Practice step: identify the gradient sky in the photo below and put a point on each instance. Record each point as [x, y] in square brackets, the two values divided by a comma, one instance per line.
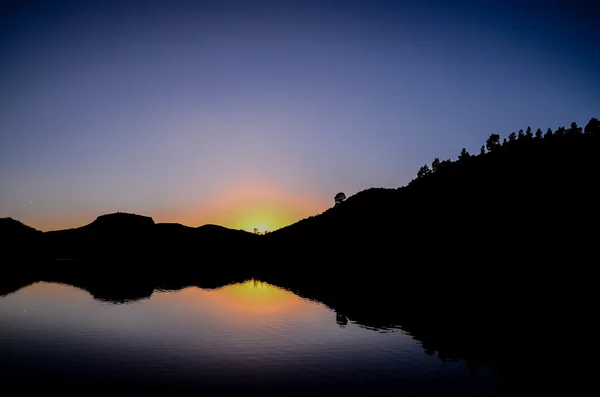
[255, 114]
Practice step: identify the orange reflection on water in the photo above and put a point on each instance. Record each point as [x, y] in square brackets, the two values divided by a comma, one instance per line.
[251, 297]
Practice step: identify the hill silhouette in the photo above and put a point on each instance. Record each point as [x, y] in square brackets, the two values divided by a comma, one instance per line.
[538, 182]
[12, 228]
[20, 241]
[122, 222]
[528, 200]
[118, 236]
[531, 197]
[527, 180]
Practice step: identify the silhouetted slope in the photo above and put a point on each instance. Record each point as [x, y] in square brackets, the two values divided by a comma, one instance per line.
[528, 197]
[13, 229]
[19, 241]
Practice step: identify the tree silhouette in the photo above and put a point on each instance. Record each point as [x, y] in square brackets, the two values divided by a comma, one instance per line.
[435, 164]
[339, 198]
[539, 133]
[574, 129]
[593, 127]
[493, 142]
[423, 171]
[444, 163]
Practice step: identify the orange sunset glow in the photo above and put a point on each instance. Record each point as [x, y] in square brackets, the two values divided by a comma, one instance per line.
[248, 206]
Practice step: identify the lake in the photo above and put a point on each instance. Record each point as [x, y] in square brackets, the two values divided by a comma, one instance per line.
[249, 337]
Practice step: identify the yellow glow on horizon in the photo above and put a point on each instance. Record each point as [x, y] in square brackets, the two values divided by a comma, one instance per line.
[263, 219]
[257, 206]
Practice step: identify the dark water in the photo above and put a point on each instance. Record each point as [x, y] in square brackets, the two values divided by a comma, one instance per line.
[251, 336]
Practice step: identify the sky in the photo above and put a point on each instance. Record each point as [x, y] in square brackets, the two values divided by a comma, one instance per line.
[255, 114]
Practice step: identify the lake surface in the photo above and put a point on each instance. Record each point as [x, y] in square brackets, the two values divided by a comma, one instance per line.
[250, 336]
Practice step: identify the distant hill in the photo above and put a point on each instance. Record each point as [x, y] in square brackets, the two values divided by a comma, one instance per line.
[13, 229]
[121, 221]
[19, 241]
[120, 236]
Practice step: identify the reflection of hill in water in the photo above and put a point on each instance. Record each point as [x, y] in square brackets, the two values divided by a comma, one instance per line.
[124, 291]
[129, 291]
[113, 291]
[370, 315]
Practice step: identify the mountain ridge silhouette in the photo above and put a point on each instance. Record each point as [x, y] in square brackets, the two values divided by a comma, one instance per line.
[538, 183]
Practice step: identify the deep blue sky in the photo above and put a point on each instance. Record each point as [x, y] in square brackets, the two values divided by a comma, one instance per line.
[257, 113]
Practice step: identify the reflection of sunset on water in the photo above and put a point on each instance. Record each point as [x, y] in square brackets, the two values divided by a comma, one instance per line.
[252, 297]
[250, 334]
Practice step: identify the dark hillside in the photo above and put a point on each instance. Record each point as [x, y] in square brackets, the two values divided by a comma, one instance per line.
[13, 230]
[521, 200]
[19, 241]
[141, 242]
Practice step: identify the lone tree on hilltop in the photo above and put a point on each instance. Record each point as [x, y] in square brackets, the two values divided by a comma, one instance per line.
[339, 198]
